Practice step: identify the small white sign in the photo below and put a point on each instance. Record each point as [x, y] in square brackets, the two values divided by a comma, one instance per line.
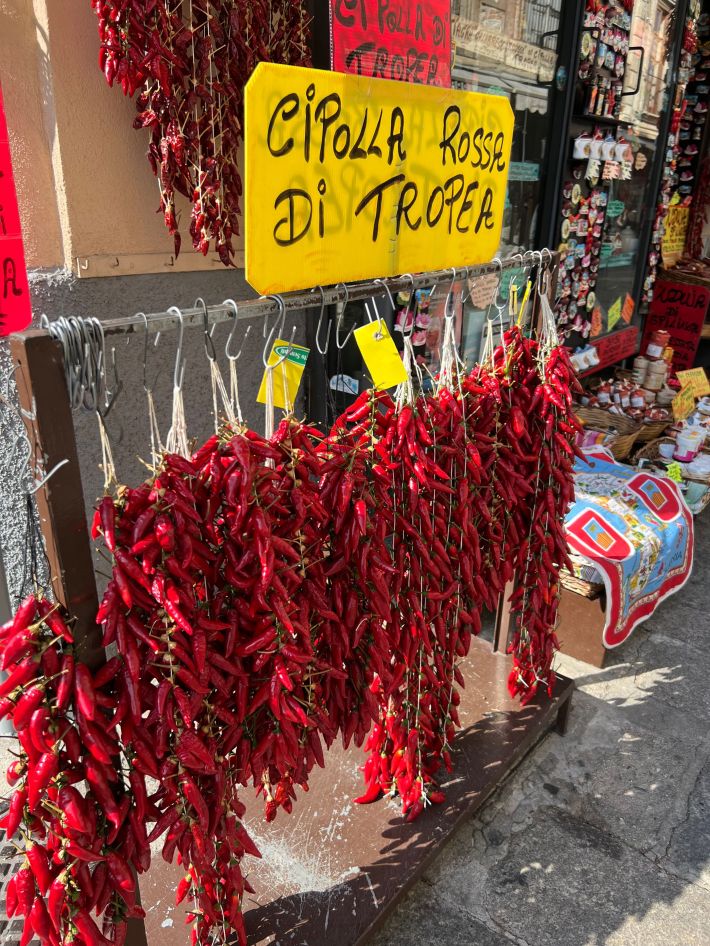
[344, 383]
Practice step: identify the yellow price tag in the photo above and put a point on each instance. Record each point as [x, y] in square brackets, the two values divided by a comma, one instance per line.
[286, 376]
[380, 355]
[524, 304]
[683, 404]
[674, 472]
[697, 379]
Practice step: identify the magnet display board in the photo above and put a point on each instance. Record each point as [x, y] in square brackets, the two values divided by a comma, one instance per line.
[350, 178]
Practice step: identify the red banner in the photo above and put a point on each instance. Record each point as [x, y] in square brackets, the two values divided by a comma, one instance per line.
[392, 39]
[15, 309]
[679, 308]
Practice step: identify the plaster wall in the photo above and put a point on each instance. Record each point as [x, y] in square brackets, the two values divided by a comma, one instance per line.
[85, 189]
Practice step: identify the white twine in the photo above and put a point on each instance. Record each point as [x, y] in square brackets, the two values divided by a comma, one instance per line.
[107, 465]
[156, 444]
[269, 415]
[234, 391]
[220, 393]
[176, 441]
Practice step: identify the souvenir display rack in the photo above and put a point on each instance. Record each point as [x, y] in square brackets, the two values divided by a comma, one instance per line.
[599, 154]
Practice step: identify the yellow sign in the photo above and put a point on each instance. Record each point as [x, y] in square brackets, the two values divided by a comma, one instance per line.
[614, 314]
[380, 355]
[697, 379]
[290, 361]
[676, 229]
[683, 404]
[349, 177]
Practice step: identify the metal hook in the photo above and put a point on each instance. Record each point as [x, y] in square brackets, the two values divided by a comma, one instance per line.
[499, 263]
[146, 388]
[381, 282]
[405, 333]
[117, 388]
[209, 344]
[340, 346]
[45, 479]
[322, 351]
[466, 291]
[545, 271]
[449, 294]
[230, 303]
[179, 371]
[277, 327]
[20, 439]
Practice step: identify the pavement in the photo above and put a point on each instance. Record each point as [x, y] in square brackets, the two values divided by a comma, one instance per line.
[601, 837]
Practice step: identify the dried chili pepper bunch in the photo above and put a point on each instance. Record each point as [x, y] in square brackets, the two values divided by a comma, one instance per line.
[232, 616]
[551, 433]
[71, 810]
[189, 64]
[463, 499]
[421, 458]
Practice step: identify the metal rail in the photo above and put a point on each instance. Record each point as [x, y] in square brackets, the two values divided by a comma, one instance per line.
[264, 306]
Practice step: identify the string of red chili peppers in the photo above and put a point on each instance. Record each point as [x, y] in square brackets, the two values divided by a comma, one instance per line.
[270, 595]
[188, 64]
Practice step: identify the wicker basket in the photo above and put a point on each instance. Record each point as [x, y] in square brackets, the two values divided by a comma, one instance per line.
[651, 452]
[627, 430]
[588, 589]
[653, 430]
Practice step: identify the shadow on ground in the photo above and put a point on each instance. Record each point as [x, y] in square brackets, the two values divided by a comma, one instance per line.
[603, 836]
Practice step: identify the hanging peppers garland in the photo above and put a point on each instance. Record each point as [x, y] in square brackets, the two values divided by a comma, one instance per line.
[267, 597]
[186, 65]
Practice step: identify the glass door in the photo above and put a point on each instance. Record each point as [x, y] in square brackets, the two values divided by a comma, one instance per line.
[510, 48]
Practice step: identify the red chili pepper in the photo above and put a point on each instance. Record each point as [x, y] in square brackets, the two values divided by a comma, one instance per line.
[39, 865]
[39, 776]
[84, 691]
[107, 515]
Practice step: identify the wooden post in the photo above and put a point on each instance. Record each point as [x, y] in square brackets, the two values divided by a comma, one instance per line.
[43, 396]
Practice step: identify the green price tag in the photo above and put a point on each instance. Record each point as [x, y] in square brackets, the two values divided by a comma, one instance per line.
[674, 472]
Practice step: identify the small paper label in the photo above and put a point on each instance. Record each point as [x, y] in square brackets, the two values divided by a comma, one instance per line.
[380, 355]
[287, 375]
[344, 383]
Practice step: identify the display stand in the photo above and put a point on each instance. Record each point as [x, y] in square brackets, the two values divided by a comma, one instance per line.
[332, 870]
[580, 623]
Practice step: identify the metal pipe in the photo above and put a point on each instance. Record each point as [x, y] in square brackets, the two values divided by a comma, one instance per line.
[296, 301]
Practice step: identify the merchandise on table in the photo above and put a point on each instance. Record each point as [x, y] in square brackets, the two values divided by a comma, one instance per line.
[635, 532]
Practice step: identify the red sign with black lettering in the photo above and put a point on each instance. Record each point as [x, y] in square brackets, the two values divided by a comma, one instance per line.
[680, 309]
[614, 347]
[15, 309]
[392, 39]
